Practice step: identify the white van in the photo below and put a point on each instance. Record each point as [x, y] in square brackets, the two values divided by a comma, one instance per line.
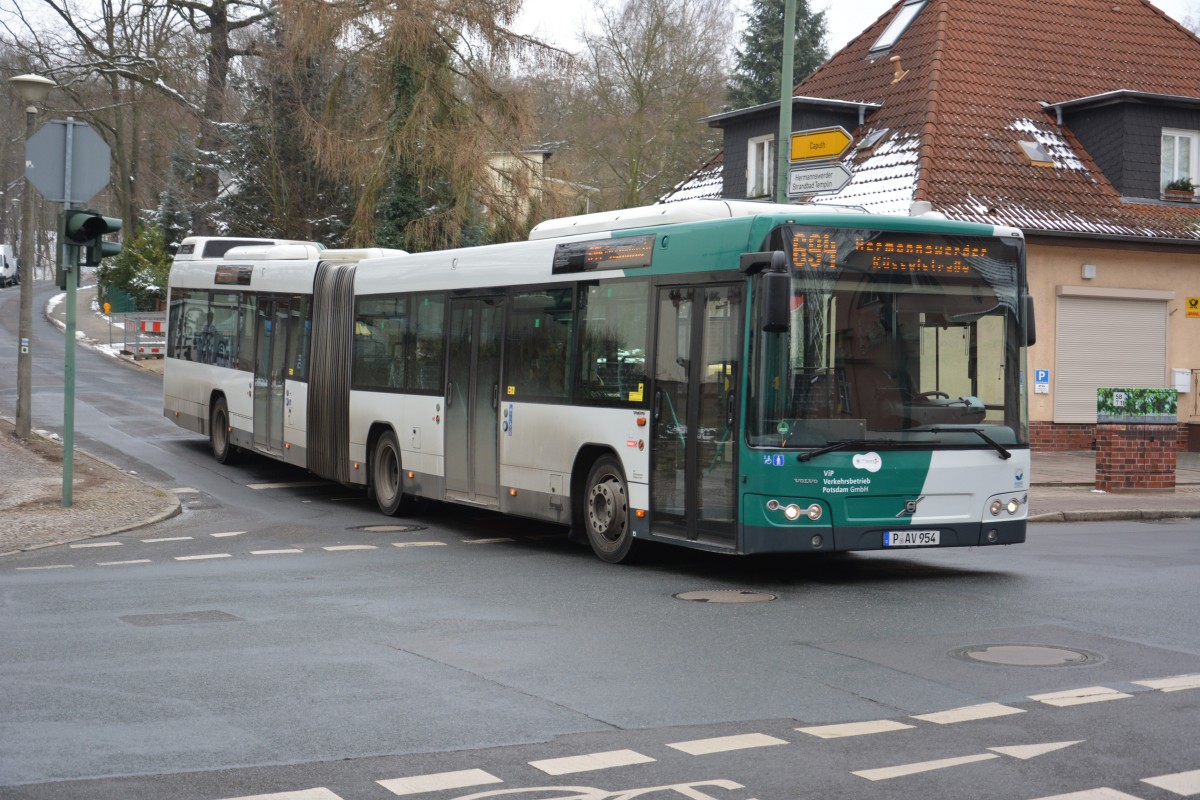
[8, 268]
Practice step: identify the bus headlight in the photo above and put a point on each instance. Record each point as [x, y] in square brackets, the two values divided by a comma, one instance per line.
[1014, 505]
[996, 506]
[792, 512]
[815, 511]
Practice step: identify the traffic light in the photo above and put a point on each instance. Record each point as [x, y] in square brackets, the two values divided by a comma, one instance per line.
[79, 229]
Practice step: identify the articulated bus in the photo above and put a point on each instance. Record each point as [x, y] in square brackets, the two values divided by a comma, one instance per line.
[733, 376]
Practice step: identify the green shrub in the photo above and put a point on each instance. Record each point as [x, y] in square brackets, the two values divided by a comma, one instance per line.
[140, 270]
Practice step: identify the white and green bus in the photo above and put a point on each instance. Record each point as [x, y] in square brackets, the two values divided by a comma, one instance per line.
[732, 376]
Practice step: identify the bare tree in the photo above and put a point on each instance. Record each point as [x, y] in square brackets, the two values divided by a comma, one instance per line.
[644, 80]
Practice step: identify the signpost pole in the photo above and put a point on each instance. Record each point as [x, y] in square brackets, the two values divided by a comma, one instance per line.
[786, 87]
[69, 369]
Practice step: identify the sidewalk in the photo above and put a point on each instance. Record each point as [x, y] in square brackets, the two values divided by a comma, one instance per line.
[108, 501]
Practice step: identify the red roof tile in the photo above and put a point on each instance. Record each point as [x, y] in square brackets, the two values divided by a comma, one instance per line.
[974, 77]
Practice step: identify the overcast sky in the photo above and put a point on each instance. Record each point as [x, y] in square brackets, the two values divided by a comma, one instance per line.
[559, 21]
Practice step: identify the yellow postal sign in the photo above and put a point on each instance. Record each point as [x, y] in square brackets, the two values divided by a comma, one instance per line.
[820, 143]
[1193, 307]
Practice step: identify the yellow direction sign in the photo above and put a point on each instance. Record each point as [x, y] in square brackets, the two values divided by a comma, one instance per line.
[820, 143]
[1193, 307]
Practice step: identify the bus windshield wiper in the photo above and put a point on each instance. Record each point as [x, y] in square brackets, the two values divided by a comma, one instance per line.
[998, 447]
[848, 443]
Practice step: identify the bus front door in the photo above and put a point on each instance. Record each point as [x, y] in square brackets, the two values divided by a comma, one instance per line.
[270, 356]
[697, 374]
[473, 400]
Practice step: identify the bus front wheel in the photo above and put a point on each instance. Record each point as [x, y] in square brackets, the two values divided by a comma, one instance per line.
[218, 433]
[385, 474]
[606, 512]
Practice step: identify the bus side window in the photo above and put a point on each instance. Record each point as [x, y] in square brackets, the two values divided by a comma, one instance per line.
[612, 337]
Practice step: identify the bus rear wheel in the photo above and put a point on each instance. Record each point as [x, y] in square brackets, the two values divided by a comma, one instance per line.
[385, 474]
[218, 433]
[606, 512]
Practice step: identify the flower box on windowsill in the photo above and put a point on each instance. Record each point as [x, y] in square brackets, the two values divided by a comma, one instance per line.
[1179, 195]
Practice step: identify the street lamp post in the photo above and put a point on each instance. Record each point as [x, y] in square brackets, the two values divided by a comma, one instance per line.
[33, 90]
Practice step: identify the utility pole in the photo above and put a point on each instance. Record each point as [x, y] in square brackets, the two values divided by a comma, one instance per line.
[33, 90]
[783, 151]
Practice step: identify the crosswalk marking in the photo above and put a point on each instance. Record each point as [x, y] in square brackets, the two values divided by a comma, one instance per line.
[167, 539]
[339, 547]
[320, 793]
[855, 728]
[226, 533]
[49, 566]
[418, 544]
[203, 557]
[968, 713]
[94, 544]
[1184, 784]
[590, 762]
[1174, 684]
[275, 552]
[119, 563]
[1103, 793]
[1028, 751]
[724, 744]
[487, 541]
[900, 771]
[1078, 697]
[439, 781]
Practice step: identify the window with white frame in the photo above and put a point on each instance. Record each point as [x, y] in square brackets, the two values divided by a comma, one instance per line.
[1180, 154]
[760, 158]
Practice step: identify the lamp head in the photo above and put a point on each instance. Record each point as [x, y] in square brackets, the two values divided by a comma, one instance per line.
[32, 88]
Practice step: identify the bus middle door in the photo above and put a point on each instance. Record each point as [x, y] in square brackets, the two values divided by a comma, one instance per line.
[698, 350]
[270, 360]
[473, 400]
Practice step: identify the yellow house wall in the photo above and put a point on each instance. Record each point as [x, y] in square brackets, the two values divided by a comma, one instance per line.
[1051, 266]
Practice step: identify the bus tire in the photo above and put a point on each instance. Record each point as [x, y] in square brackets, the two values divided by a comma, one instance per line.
[605, 512]
[218, 433]
[385, 474]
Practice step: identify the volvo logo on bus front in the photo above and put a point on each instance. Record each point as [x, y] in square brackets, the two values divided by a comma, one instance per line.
[910, 507]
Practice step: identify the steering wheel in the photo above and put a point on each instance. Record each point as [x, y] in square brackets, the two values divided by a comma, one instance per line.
[929, 395]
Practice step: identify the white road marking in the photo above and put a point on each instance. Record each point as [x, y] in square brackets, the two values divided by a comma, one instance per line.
[418, 544]
[487, 541]
[275, 552]
[227, 533]
[202, 558]
[855, 728]
[304, 794]
[94, 544]
[1078, 697]
[338, 547]
[886, 773]
[1028, 751]
[290, 485]
[118, 563]
[49, 566]
[1184, 784]
[184, 490]
[1103, 793]
[438, 781]
[167, 539]
[1174, 684]
[724, 744]
[590, 762]
[968, 713]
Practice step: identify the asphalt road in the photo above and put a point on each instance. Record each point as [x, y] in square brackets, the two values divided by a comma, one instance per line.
[273, 641]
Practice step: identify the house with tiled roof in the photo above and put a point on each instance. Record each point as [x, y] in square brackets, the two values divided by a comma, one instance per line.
[1067, 119]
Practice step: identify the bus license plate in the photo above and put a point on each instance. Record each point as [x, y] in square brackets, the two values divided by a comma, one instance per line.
[911, 538]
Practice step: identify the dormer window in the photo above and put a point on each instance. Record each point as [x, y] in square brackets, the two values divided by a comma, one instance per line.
[1180, 154]
[904, 17]
[760, 158]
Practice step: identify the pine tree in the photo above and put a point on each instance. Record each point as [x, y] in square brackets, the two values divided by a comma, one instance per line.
[755, 78]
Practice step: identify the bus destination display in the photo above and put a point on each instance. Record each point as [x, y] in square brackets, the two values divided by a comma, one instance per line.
[628, 252]
[880, 253]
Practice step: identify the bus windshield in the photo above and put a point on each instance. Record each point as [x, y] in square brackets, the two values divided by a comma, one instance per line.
[892, 337]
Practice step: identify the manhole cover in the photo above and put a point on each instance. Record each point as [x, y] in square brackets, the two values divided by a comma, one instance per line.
[1027, 655]
[389, 528]
[725, 596]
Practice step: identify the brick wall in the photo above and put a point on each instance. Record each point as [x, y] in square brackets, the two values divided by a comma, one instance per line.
[1136, 457]
[1046, 437]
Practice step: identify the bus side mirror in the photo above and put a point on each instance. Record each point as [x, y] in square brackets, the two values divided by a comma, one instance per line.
[1030, 322]
[775, 301]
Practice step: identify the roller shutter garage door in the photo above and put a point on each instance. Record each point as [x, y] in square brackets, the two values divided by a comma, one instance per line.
[1106, 341]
